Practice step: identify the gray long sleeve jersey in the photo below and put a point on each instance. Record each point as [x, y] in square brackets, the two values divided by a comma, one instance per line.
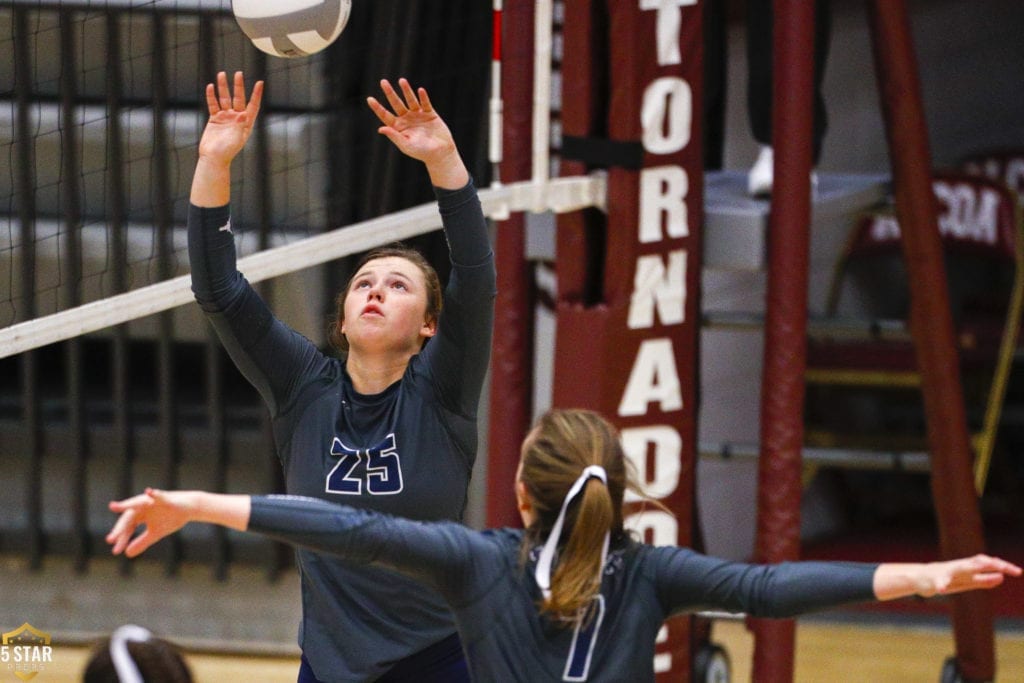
[494, 598]
[407, 451]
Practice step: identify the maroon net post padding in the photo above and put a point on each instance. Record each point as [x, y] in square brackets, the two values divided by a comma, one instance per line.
[782, 393]
[628, 283]
[511, 390]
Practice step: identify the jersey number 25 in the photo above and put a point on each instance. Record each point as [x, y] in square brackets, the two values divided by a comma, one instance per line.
[379, 467]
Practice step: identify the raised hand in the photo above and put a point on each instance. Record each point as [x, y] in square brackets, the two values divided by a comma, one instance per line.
[161, 512]
[419, 132]
[231, 118]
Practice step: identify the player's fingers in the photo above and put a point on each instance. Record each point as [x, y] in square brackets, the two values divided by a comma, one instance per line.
[211, 99]
[392, 134]
[410, 97]
[255, 100]
[985, 563]
[979, 580]
[140, 543]
[239, 92]
[119, 542]
[136, 501]
[238, 96]
[393, 99]
[123, 520]
[385, 116]
[1000, 564]
[425, 100]
[989, 579]
[223, 96]
[115, 532]
[122, 531]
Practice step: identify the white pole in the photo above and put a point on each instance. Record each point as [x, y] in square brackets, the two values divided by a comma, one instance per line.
[541, 99]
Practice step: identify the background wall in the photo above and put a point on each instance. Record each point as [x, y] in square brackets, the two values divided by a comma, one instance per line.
[969, 57]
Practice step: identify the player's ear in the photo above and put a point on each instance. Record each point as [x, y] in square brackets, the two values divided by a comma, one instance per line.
[429, 328]
[524, 504]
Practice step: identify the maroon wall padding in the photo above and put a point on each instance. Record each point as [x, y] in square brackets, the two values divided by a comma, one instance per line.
[511, 393]
[584, 114]
[596, 350]
[956, 505]
[785, 357]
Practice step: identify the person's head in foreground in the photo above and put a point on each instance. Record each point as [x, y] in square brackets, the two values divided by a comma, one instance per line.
[134, 655]
[567, 450]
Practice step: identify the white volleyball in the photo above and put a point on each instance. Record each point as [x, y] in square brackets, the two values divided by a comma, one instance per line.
[291, 28]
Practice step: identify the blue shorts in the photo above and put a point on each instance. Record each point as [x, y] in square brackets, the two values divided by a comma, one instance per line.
[442, 662]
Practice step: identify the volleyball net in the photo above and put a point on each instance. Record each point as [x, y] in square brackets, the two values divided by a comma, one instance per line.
[558, 195]
[104, 109]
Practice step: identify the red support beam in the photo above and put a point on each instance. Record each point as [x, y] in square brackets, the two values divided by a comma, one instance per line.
[782, 393]
[956, 505]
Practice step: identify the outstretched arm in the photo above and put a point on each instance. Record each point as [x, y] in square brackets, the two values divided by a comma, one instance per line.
[458, 356]
[274, 358]
[447, 556]
[231, 121]
[689, 580]
[897, 580]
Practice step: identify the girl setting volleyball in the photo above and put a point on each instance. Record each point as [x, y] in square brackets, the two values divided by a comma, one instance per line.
[391, 424]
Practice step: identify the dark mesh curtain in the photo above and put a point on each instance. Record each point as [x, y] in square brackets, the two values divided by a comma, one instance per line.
[442, 46]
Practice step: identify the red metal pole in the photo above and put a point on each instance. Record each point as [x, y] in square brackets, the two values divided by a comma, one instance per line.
[511, 390]
[782, 394]
[956, 505]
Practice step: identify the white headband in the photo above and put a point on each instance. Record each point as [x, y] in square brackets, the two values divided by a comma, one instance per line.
[547, 554]
[124, 665]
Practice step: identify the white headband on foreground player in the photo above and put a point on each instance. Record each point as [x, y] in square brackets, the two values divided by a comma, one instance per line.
[547, 554]
[124, 665]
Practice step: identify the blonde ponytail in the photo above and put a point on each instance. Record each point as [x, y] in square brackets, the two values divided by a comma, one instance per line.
[574, 471]
[577, 579]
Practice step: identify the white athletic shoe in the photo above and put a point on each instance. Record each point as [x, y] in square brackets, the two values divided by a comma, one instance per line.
[759, 180]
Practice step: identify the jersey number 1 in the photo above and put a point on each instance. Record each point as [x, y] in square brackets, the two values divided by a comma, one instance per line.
[577, 666]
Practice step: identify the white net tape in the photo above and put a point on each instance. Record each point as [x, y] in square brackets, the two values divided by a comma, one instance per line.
[560, 195]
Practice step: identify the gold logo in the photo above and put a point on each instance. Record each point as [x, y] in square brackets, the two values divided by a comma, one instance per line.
[25, 651]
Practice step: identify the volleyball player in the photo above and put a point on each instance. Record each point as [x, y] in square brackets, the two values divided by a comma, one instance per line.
[389, 427]
[573, 597]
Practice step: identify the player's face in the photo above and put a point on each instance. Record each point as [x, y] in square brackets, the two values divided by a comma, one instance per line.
[385, 307]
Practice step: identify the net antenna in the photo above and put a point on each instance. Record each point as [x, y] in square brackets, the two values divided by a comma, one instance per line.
[494, 149]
